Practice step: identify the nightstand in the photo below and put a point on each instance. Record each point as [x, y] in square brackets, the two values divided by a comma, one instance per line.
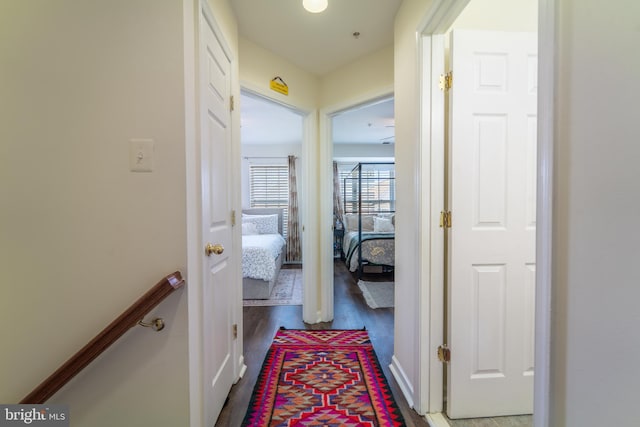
[338, 234]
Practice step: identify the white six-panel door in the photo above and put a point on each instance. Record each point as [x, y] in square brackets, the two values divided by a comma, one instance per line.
[492, 193]
[215, 145]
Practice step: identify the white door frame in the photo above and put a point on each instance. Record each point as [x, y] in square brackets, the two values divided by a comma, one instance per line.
[439, 19]
[308, 205]
[325, 212]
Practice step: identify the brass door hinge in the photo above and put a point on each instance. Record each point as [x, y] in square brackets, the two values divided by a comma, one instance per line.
[445, 219]
[231, 103]
[444, 354]
[233, 218]
[446, 81]
[234, 330]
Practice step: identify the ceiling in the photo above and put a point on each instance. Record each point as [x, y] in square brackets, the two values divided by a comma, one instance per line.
[318, 43]
[369, 124]
[266, 122]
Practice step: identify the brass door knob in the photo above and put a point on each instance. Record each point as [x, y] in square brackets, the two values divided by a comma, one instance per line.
[213, 249]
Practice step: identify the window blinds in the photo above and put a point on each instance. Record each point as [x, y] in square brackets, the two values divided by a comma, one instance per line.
[269, 188]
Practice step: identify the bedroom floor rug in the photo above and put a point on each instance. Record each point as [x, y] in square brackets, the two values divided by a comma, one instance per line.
[287, 290]
[377, 294]
[322, 378]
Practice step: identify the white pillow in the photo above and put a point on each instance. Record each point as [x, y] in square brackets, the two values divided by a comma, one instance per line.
[367, 222]
[266, 224]
[382, 225]
[249, 228]
[351, 222]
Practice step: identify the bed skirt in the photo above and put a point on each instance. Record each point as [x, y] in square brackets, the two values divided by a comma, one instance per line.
[261, 289]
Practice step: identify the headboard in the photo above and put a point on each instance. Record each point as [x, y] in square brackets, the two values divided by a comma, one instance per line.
[267, 211]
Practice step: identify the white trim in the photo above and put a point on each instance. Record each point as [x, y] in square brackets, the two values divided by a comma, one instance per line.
[256, 91]
[437, 420]
[326, 216]
[431, 192]
[236, 153]
[431, 185]
[310, 211]
[437, 205]
[423, 390]
[370, 98]
[403, 380]
[438, 19]
[191, 10]
[325, 211]
[243, 369]
[441, 16]
[544, 227]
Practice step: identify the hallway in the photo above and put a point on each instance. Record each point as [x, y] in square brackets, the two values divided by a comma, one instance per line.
[351, 312]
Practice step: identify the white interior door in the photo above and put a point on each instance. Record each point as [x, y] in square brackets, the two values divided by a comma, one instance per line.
[215, 119]
[492, 194]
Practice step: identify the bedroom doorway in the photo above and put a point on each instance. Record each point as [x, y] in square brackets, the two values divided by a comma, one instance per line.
[363, 169]
[271, 169]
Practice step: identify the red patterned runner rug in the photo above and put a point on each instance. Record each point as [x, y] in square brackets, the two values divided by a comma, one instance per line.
[322, 378]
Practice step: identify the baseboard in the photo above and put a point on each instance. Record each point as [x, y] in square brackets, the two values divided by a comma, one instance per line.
[243, 368]
[402, 380]
[437, 420]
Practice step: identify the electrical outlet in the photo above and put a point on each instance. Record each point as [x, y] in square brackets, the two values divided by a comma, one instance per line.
[141, 155]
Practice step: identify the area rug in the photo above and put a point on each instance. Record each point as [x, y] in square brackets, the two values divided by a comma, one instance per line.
[377, 294]
[286, 291]
[322, 378]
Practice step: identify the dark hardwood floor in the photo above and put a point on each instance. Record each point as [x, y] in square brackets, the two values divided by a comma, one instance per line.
[350, 312]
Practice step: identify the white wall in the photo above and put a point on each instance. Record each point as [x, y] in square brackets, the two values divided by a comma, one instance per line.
[499, 15]
[258, 66]
[82, 236]
[306, 90]
[363, 151]
[595, 344]
[407, 222]
[367, 75]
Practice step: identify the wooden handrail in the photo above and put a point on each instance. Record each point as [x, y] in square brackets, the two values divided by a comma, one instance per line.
[104, 339]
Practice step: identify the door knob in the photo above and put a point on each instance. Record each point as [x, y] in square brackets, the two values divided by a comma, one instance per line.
[213, 249]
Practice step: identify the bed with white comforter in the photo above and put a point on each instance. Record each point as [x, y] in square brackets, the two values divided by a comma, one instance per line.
[262, 251]
[259, 252]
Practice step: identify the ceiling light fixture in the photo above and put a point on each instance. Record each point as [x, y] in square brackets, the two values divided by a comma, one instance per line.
[315, 6]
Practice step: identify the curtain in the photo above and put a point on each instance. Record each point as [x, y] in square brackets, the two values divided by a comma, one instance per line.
[338, 209]
[293, 227]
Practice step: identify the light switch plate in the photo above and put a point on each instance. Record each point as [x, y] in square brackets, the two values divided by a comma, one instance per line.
[141, 155]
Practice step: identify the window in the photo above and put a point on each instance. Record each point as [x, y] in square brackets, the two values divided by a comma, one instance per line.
[378, 187]
[269, 188]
